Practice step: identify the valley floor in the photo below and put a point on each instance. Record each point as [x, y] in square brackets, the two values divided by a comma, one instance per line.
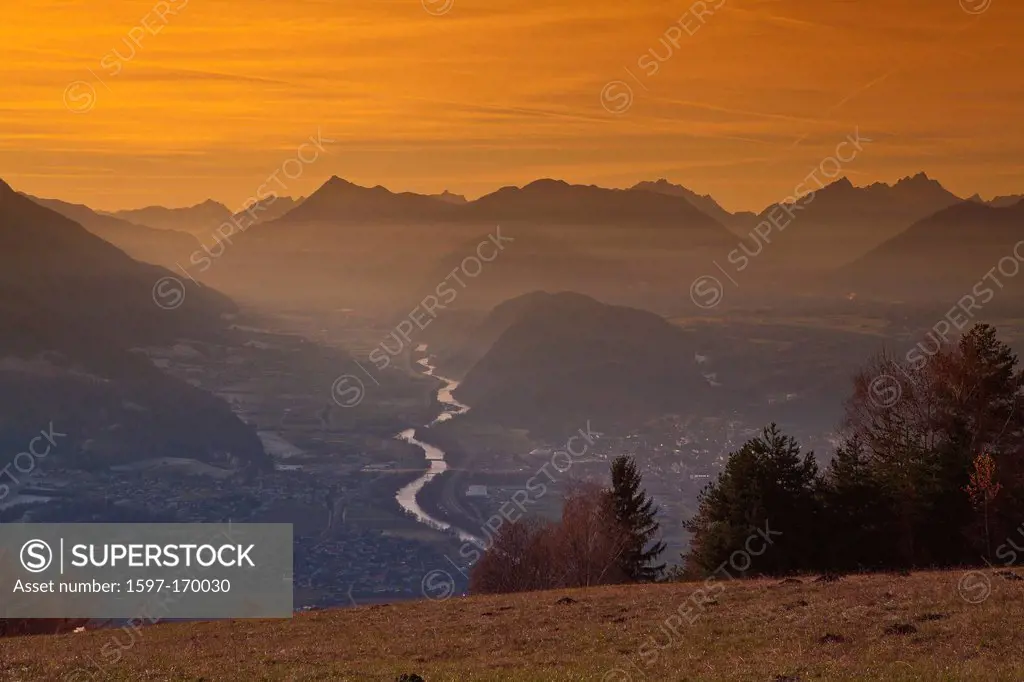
[932, 626]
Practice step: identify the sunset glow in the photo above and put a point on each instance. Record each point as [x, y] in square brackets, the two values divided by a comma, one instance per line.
[127, 103]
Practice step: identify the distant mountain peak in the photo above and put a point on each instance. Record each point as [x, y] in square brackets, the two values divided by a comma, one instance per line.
[558, 201]
[842, 183]
[336, 185]
[546, 183]
[334, 182]
[664, 186]
[917, 187]
[703, 202]
[211, 203]
[450, 197]
[339, 199]
[918, 180]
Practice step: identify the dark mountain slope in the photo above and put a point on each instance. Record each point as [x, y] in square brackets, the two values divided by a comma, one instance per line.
[71, 307]
[82, 278]
[147, 244]
[946, 255]
[565, 358]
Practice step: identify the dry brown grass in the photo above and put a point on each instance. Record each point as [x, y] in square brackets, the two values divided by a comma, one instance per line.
[16, 627]
[880, 627]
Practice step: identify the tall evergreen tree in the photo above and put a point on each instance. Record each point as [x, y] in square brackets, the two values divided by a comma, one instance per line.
[635, 512]
[858, 513]
[767, 485]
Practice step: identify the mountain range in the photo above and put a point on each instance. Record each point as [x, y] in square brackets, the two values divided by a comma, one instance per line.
[78, 290]
[338, 200]
[626, 245]
[558, 202]
[206, 216]
[551, 201]
[840, 222]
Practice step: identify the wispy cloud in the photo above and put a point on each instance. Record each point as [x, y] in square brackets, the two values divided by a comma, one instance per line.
[492, 93]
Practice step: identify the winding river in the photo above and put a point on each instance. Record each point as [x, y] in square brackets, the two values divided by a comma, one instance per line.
[435, 456]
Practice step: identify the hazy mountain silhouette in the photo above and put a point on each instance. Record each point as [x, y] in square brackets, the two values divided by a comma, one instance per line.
[841, 222]
[912, 194]
[147, 244]
[85, 278]
[625, 245]
[72, 306]
[629, 246]
[199, 219]
[339, 201]
[265, 210]
[910, 199]
[447, 196]
[478, 340]
[705, 202]
[1006, 200]
[542, 202]
[564, 358]
[943, 255]
[202, 217]
[558, 202]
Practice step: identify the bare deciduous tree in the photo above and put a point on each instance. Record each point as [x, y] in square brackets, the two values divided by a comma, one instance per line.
[580, 550]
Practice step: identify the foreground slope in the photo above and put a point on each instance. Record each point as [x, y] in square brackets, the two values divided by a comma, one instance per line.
[878, 627]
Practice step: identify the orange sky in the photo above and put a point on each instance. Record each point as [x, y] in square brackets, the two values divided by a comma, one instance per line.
[493, 93]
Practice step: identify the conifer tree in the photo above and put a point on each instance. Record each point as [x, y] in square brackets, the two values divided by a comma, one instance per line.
[635, 512]
[768, 489]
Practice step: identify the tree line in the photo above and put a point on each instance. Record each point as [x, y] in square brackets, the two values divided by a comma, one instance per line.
[928, 472]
